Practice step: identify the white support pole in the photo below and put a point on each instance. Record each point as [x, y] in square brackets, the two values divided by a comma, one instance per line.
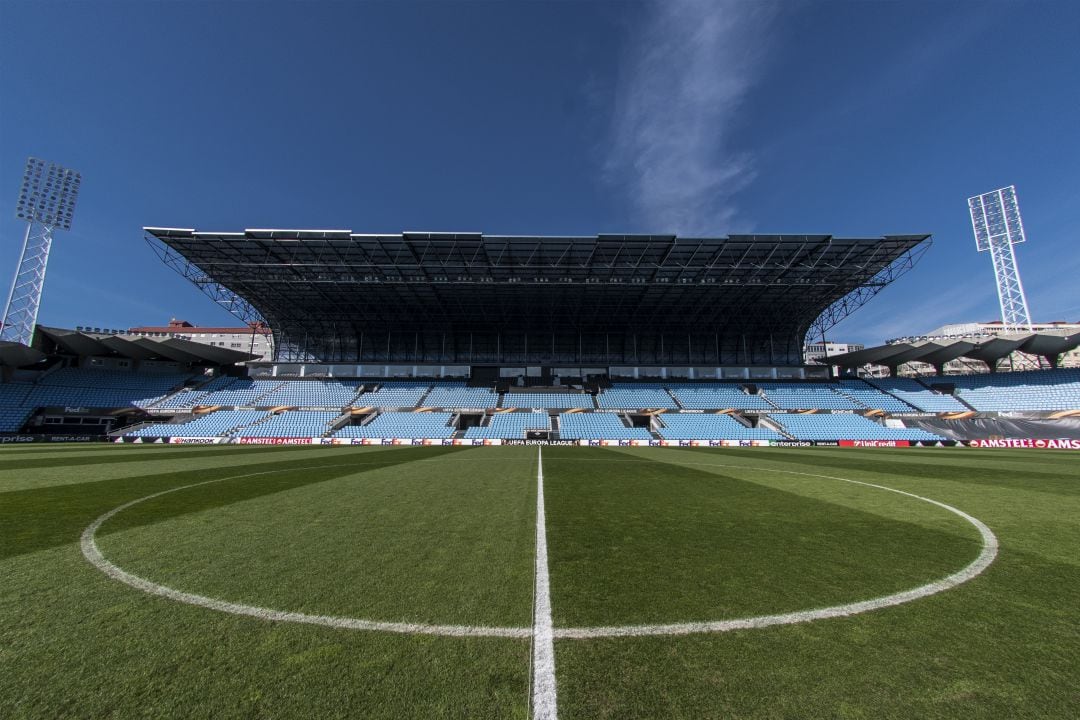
[24, 298]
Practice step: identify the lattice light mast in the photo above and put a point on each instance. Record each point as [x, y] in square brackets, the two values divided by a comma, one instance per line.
[995, 218]
[47, 203]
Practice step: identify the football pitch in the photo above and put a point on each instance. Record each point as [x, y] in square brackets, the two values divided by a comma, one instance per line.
[417, 582]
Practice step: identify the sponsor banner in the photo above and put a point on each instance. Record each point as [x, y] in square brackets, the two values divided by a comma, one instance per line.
[16, 439]
[80, 410]
[274, 440]
[13, 439]
[875, 443]
[804, 443]
[200, 440]
[1032, 443]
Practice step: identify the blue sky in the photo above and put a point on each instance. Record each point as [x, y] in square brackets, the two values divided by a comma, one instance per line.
[695, 117]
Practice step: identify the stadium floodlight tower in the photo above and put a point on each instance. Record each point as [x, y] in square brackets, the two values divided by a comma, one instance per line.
[47, 203]
[995, 218]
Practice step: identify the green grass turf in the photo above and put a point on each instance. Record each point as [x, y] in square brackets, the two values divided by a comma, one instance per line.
[1001, 646]
[74, 643]
[638, 539]
[445, 542]
[446, 535]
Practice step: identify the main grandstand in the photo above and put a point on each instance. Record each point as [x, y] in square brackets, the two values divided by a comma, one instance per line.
[464, 338]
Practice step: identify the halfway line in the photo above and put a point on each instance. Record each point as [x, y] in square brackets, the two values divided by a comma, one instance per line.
[543, 670]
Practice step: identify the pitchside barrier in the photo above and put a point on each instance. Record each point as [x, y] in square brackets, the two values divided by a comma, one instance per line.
[1029, 443]
[18, 439]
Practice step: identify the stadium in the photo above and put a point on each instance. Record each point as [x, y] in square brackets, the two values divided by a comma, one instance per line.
[690, 398]
[665, 377]
[462, 339]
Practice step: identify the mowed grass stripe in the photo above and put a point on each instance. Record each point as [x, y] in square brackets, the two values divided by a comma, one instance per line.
[820, 483]
[441, 543]
[104, 469]
[79, 644]
[76, 643]
[1002, 645]
[978, 468]
[648, 542]
[996, 504]
[140, 454]
[37, 518]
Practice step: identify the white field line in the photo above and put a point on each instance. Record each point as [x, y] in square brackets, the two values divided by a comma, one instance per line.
[544, 705]
[92, 553]
[985, 558]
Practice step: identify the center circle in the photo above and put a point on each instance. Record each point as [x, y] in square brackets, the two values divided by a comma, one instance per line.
[196, 572]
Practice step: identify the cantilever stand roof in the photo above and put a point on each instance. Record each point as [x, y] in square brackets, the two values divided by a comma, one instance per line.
[140, 348]
[938, 352]
[335, 295]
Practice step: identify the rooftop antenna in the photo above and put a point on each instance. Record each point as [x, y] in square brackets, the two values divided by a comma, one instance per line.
[995, 218]
[47, 203]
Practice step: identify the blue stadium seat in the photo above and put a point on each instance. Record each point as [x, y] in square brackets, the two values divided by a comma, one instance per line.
[717, 396]
[635, 397]
[846, 427]
[79, 387]
[215, 424]
[392, 394]
[806, 396]
[553, 401]
[598, 426]
[456, 395]
[389, 424]
[1011, 391]
[327, 393]
[693, 426]
[293, 423]
[917, 395]
[510, 425]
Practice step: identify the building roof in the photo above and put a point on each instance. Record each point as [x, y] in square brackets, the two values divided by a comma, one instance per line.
[13, 354]
[942, 350]
[141, 348]
[323, 289]
[197, 330]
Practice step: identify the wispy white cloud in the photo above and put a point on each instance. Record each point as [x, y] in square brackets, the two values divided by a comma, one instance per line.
[687, 72]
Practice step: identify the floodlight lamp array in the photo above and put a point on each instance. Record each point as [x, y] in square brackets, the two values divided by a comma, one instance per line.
[995, 218]
[48, 194]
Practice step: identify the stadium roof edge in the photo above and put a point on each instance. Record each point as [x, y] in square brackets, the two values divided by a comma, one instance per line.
[284, 233]
[141, 348]
[938, 352]
[329, 294]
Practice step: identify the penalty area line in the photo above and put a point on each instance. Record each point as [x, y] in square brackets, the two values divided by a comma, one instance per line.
[544, 705]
